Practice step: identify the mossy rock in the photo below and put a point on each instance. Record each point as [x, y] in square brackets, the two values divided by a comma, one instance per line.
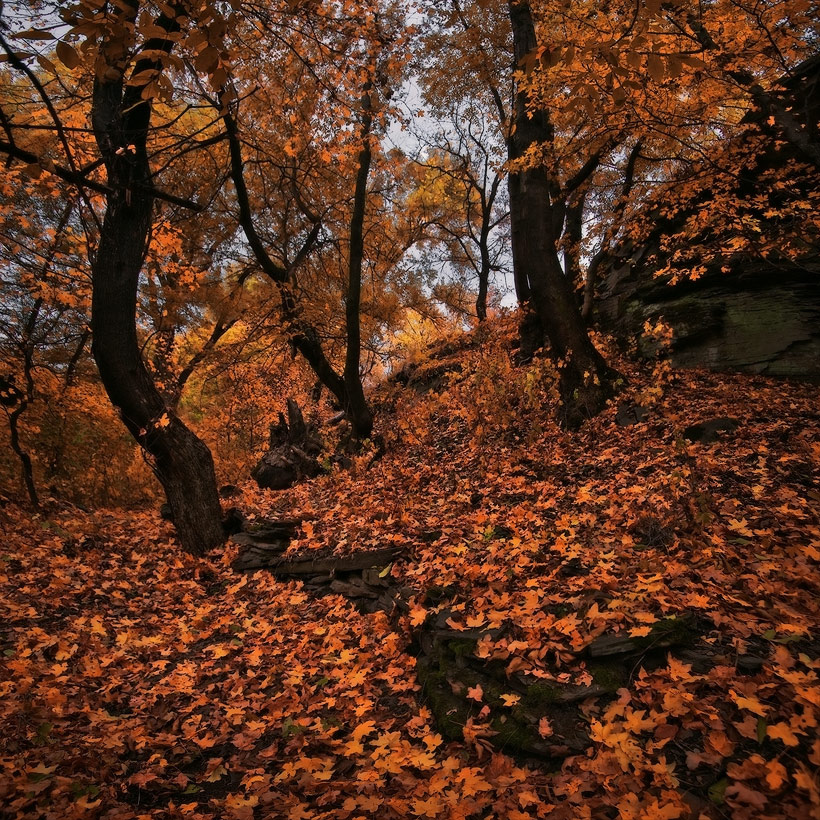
[449, 670]
[683, 631]
[609, 676]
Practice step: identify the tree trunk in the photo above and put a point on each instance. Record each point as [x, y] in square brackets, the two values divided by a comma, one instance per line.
[573, 236]
[181, 462]
[25, 458]
[23, 400]
[486, 265]
[530, 330]
[481, 298]
[586, 380]
[361, 416]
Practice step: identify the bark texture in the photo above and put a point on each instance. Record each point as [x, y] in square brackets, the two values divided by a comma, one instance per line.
[537, 212]
[181, 462]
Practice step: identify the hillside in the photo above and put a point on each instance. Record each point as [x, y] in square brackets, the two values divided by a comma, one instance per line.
[621, 622]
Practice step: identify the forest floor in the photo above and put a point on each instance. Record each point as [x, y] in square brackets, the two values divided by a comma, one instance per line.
[137, 681]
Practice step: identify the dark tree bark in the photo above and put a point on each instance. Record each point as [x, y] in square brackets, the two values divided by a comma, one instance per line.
[15, 402]
[530, 329]
[487, 201]
[360, 415]
[181, 462]
[537, 212]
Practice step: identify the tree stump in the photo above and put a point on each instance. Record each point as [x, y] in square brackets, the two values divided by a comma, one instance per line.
[294, 448]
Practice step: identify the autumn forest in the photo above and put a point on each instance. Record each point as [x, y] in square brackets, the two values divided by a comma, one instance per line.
[410, 410]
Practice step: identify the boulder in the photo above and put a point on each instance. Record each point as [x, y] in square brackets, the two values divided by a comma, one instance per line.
[754, 318]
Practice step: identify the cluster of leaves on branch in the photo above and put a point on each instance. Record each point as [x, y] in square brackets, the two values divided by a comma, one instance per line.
[698, 94]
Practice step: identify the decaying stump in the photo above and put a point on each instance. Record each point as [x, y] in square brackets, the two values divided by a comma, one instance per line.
[294, 448]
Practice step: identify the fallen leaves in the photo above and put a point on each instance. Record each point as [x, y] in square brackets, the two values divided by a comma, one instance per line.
[240, 696]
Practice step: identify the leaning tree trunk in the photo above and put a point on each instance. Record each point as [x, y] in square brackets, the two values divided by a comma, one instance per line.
[586, 380]
[181, 462]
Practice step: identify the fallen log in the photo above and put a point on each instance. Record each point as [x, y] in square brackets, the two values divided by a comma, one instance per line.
[302, 565]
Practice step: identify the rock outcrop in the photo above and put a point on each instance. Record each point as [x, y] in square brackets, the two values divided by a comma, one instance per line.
[743, 312]
[755, 318]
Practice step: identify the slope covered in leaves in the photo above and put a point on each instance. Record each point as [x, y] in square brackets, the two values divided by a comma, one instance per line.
[138, 682]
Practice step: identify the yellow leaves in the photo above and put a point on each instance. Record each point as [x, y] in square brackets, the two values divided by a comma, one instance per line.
[751, 704]
[418, 614]
[679, 671]
[40, 770]
[301, 811]
[740, 526]
[219, 650]
[364, 729]
[807, 781]
[214, 770]
[635, 722]
[635, 807]
[511, 700]
[811, 551]
[776, 775]
[420, 759]
[255, 656]
[719, 743]
[96, 626]
[430, 807]
[240, 807]
[65, 650]
[369, 803]
[472, 781]
[354, 747]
